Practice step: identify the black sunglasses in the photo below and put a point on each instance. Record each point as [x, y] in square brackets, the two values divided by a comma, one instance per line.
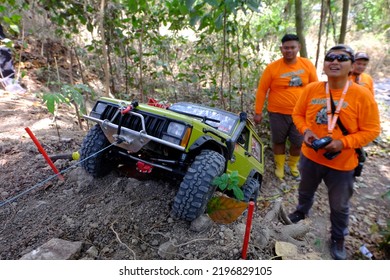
[339, 57]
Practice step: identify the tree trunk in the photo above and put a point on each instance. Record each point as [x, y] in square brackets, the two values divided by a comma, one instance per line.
[104, 51]
[331, 22]
[344, 21]
[223, 62]
[140, 51]
[324, 12]
[299, 27]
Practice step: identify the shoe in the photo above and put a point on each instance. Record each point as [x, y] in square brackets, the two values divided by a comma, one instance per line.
[337, 249]
[293, 164]
[279, 165]
[296, 216]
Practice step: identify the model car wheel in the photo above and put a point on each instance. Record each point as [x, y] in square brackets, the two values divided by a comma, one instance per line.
[100, 164]
[196, 189]
[251, 190]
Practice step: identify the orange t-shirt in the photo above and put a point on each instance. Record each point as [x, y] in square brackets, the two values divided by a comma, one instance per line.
[364, 80]
[284, 83]
[359, 115]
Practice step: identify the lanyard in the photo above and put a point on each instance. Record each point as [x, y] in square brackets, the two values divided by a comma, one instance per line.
[357, 79]
[332, 119]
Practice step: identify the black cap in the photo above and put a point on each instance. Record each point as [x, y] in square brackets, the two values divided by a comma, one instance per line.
[344, 48]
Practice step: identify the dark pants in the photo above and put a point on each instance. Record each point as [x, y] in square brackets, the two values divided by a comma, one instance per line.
[283, 128]
[6, 65]
[340, 189]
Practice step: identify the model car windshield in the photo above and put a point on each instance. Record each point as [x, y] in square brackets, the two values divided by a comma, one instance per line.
[221, 120]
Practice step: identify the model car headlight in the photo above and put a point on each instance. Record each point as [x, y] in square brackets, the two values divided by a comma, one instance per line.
[98, 110]
[176, 129]
[175, 133]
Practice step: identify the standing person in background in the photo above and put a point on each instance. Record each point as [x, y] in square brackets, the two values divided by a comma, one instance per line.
[358, 76]
[335, 160]
[6, 64]
[284, 80]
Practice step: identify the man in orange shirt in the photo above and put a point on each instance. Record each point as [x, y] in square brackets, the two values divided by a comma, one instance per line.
[333, 159]
[284, 80]
[358, 76]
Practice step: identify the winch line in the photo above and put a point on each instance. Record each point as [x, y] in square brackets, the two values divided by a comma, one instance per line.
[2, 203]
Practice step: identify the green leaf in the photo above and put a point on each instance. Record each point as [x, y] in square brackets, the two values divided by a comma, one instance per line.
[15, 28]
[189, 4]
[254, 5]
[132, 6]
[213, 3]
[387, 195]
[194, 19]
[50, 104]
[221, 181]
[51, 99]
[219, 22]
[234, 179]
[238, 193]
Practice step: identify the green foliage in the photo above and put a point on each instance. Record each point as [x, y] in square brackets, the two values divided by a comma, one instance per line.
[369, 15]
[234, 37]
[229, 182]
[10, 15]
[68, 94]
[53, 99]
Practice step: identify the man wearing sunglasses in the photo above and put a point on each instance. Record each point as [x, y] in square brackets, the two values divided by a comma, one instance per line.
[282, 82]
[327, 154]
[358, 75]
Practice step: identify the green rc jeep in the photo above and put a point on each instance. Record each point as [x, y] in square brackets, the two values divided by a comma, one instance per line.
[195, 142]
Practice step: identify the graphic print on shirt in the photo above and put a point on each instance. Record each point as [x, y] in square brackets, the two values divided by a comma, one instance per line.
[322, 116]
[295, 81]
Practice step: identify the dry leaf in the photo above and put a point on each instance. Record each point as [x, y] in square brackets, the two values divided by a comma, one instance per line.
[286, 250]
[225, 210]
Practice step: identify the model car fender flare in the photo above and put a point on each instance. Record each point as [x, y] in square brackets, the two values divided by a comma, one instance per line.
[206, 141]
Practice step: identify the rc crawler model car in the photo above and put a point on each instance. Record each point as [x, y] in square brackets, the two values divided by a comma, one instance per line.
[196, 143]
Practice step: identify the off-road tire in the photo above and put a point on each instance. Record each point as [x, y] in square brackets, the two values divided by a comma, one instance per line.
[251, 189]
[196, 189]
[99, 165]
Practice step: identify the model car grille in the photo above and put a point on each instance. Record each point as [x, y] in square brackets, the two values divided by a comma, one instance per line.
[154, 125]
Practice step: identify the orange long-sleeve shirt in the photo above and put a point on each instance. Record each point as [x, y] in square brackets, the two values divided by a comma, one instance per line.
[364, 80]
[284, 83]
[359, 115]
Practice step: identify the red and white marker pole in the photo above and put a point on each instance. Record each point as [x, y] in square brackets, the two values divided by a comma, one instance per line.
[251, 208]
[43, 152]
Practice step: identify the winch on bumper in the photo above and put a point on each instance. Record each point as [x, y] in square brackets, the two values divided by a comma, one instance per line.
[129, 139]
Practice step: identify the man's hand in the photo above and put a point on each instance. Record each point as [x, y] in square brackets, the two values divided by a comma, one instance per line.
[258, 118]
[308, 137]
[334, 146]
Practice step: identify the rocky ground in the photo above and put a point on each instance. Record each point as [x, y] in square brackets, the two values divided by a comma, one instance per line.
[121, 217]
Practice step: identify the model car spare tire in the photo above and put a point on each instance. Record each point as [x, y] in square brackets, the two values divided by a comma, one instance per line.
[196, 189]
[100, 164]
